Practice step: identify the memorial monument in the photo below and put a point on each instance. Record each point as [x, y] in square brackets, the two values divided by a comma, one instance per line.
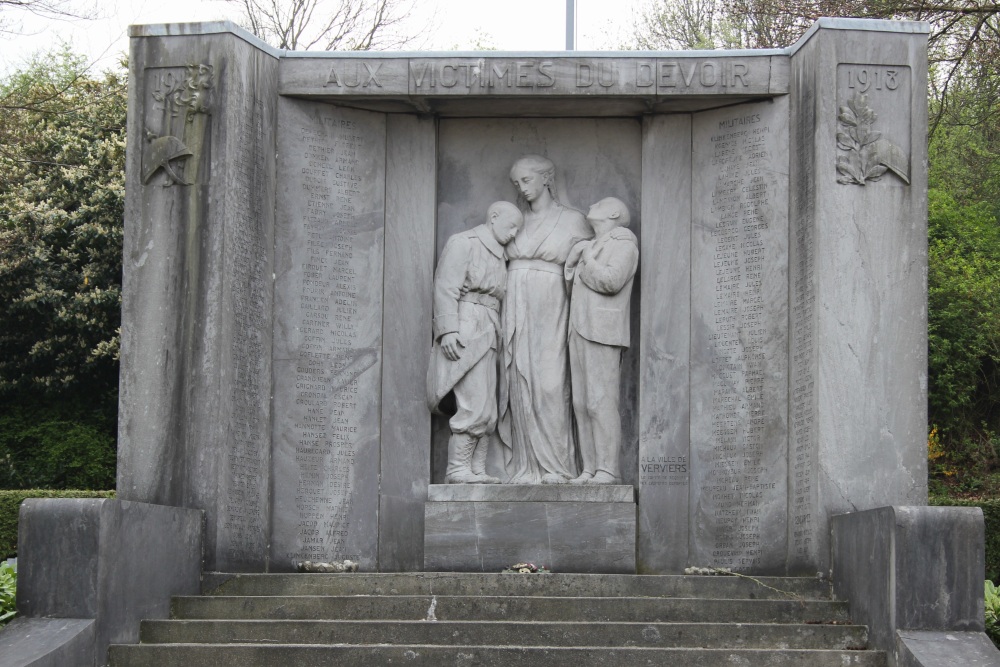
[762, 347]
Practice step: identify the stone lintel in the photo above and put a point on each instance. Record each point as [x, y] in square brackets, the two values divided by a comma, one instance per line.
[654, 75]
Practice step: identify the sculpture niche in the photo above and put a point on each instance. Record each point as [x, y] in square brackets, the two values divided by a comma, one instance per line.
[564, 301]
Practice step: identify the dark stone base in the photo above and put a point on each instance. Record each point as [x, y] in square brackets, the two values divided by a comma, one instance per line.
[566, 529]
[89, 569]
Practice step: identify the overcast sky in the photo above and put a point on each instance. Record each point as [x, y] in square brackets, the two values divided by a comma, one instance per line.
[510, 25]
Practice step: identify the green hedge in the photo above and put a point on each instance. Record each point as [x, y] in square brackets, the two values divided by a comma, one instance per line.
[10, 505]
[991, 515]
[67, 445]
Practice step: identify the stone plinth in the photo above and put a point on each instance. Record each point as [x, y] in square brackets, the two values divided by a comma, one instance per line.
[480, 528]
[90, 570]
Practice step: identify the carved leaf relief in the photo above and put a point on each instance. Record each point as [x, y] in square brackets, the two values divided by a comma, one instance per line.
[868, 156]
[176, 129]
[189, 94]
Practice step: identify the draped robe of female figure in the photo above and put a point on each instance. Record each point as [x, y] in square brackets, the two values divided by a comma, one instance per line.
[536, 422]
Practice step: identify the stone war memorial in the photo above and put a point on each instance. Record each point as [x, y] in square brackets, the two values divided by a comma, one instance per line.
[614, 313]
[287, 213]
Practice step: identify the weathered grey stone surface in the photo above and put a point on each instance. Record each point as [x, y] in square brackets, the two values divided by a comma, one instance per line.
[665, 347]
[330, 240]
[945, 649]
[739, 320]
[879, 554]
[495, 633]
[194, 414]
[505, 619]
[411, 169]
[48, 642]
[59, 544]
[105, 562]
[857, 280]
[598, 493]
[523, 609]
[563, 536]
[558, 584]
[488, 656]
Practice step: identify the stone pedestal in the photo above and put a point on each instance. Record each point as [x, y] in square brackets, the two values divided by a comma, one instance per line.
[90, 569]
[486, 528]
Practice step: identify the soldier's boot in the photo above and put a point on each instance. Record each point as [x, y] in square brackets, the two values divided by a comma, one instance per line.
[460, 449]
[479, 462]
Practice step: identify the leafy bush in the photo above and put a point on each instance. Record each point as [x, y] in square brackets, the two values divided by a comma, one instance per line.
[8, 588]
[963, 332]
[992, 598]
[62, 193]
[10, 505]
[56, 446]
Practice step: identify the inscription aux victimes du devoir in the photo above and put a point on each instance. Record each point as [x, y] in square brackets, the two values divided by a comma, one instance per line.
[493, 75]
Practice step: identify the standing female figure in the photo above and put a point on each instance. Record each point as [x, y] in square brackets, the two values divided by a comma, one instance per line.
[536, 422]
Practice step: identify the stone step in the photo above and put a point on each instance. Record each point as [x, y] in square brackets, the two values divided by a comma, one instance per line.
[510, 608]
[492, 619]
[502, 633]
[563, 585]
[416, 655]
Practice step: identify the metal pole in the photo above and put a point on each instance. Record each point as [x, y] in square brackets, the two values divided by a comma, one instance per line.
[570, 25]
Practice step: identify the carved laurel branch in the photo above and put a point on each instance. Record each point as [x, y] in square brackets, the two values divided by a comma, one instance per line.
[862, 163]
[191, 94]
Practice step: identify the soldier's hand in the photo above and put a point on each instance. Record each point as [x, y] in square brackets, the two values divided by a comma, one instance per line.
[452, 346]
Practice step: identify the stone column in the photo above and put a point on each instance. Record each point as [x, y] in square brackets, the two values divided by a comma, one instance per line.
[664, 347]
[411, 188]
[194, 421]
[857, 393]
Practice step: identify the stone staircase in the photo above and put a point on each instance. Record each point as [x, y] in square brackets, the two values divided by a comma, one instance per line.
[562, 620]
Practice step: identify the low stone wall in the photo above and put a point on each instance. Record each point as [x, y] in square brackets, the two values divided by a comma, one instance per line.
[90, 570]
[914, 576]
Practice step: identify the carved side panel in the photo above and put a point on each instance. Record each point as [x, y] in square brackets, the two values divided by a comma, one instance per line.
[327, 351]
[194, 417]
[873, 123]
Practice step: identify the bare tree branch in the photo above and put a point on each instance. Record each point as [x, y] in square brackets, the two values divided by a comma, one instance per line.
[329, 25]
[49, 9]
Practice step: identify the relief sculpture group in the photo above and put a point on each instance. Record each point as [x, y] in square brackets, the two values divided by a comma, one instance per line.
[531, 317]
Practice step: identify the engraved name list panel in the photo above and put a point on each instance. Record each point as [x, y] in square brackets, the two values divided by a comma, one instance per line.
[739, 337]
[329, 251]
